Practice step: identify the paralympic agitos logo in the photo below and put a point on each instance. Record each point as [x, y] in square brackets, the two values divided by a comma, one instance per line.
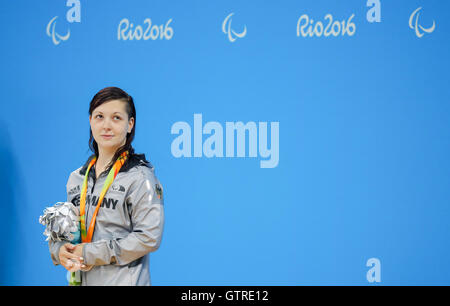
[232, 35]
[414, 24]
[73, 15]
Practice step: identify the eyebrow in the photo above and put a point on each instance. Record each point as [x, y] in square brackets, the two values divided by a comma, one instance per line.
[113, 113]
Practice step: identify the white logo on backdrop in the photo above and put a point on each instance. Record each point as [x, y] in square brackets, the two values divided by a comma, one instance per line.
[226, 28]
[72, 15]
[127, 31]
[416, 26]
[51, 32]
[306, 27]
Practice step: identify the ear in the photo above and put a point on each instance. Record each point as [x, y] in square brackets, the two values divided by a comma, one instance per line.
[130, 124]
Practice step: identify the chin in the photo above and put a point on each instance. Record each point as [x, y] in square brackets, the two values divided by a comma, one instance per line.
[106, 144]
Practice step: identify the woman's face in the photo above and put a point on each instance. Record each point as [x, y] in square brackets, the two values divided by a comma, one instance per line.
[110, 124]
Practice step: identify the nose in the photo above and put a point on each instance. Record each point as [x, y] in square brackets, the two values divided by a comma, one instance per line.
[106, 124]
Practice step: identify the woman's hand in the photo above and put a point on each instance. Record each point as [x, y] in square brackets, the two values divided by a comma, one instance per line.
[68, 259]
[78, 250]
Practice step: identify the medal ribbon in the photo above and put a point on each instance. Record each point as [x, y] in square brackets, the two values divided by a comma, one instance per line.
[87, 237]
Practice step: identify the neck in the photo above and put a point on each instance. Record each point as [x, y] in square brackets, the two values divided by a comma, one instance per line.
[104, 156]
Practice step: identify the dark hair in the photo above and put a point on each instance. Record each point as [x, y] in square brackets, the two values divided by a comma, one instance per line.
[103, 96]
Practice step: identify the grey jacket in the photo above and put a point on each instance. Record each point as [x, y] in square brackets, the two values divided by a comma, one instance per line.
[128, 227]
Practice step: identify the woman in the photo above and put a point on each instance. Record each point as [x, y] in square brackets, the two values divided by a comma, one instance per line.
[120, 200]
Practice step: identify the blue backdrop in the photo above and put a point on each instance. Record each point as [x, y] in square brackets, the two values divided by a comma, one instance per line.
[361, 97]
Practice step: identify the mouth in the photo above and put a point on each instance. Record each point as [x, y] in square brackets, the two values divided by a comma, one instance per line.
[107, 136]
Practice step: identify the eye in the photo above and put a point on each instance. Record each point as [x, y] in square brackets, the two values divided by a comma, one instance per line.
[117, 117]
[98, 115]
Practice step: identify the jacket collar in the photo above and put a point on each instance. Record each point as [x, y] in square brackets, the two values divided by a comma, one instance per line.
[132, 161]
